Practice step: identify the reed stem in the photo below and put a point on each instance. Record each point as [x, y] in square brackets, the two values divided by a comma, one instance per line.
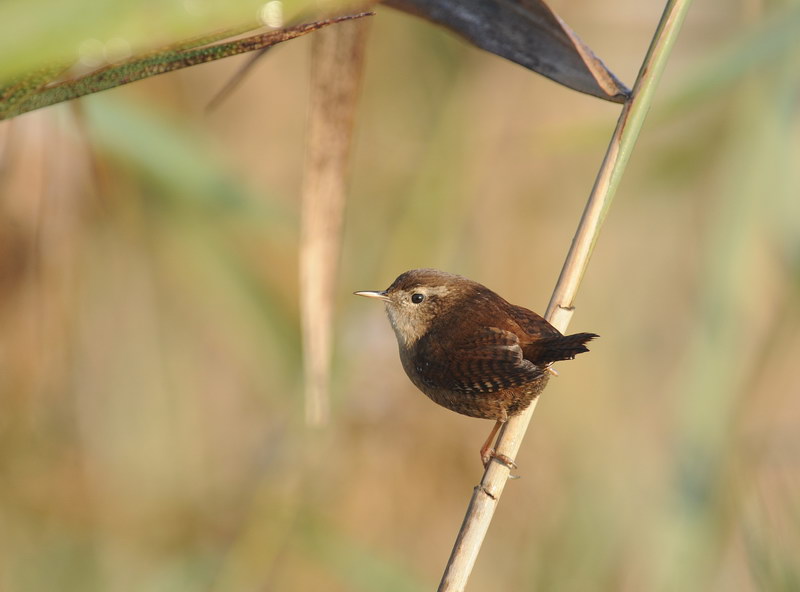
[487, 494]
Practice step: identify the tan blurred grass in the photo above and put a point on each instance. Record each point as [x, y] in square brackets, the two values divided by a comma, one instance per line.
[151, 433]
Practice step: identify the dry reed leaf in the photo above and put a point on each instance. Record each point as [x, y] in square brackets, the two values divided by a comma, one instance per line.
[337, 67]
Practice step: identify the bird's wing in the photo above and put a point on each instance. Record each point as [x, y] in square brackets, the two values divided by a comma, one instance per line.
[490, 360]
[543, 344]
[532, 323]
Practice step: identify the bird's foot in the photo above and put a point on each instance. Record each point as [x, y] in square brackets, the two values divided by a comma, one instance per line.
[489, 454]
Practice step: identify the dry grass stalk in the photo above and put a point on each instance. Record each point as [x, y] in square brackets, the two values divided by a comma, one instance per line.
[559, 312]
[337, 62]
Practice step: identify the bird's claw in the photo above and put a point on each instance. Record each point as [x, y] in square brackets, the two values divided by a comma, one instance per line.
[501, 458]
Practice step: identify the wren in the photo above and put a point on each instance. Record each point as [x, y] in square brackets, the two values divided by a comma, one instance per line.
[470, 350]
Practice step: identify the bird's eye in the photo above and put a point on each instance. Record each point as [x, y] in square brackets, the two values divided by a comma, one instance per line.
[417, 298]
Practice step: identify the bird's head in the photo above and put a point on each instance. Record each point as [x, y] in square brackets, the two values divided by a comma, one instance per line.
[418, 297]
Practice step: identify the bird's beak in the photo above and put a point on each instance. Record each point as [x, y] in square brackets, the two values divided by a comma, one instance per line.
[378, 295]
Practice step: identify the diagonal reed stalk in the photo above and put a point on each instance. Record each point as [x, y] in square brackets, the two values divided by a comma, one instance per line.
[42, 89]
[487, 494]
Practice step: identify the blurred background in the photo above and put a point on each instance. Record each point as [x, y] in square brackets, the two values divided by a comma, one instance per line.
[151, 413]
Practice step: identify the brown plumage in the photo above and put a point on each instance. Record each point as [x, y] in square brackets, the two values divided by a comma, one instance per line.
[470, 350]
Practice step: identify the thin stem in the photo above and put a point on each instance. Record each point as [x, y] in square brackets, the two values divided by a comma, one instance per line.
[486, 495]
[34, 92]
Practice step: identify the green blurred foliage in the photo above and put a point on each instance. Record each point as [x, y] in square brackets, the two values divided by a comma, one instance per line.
[39, 33]
[151, 433]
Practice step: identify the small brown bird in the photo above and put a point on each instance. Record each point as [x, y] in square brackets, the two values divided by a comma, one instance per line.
[469, 350]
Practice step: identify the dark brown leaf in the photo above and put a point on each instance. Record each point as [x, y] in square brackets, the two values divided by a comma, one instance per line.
[526, 32]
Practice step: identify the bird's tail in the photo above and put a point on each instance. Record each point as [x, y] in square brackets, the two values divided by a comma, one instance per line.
[559, 347]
